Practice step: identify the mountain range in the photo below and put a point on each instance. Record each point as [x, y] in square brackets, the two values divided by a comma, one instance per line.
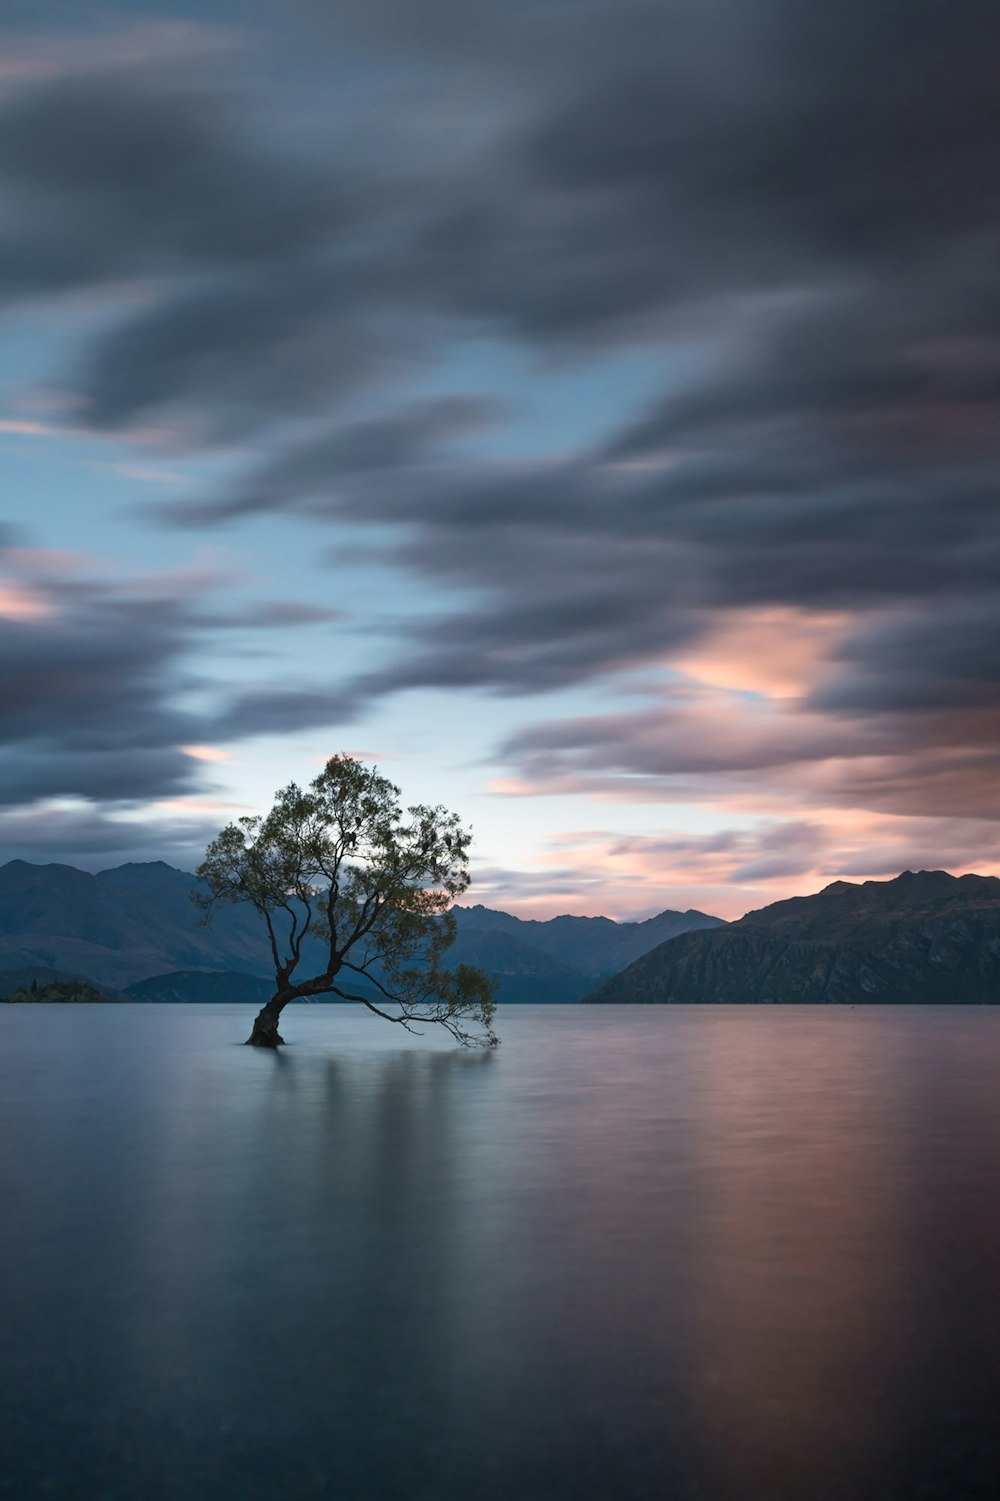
[118, 926]
[135, 930]
[925, 937]
[563, 955]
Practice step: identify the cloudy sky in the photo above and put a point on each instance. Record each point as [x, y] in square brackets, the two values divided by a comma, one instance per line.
[587, 409]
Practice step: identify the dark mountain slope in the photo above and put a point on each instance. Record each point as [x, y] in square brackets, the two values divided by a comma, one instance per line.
[923, 938]
[202, 986]
[119, 926]
[524, 973]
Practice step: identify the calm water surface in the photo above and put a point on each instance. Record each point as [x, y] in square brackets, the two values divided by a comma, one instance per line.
[736, 1254]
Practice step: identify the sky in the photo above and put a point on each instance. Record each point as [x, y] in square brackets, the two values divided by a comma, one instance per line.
[586, 410]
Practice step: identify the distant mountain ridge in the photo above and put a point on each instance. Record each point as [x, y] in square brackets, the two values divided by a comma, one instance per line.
[591, 945]
[119, 926]
[924, 937]
[559, 959]
[135, 928]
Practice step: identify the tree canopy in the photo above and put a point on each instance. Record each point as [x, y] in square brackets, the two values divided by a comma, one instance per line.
[350, 884]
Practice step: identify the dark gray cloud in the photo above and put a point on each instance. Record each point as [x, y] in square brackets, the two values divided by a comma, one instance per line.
[236, 356]
[85, 699]
[839, 137]
[95, 678]
[376, 460]
[280, 710]
[107, 179]
[268, 614]
[243, 255]
[932, 663]
[652, 156]
[671, 157]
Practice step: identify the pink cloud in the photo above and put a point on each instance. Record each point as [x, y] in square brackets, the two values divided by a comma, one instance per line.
[21, 602]
[21, 428]
[200, 805]
[206, 753]
[161, 438]
[25, 60]
[776, 651]
[730, 869]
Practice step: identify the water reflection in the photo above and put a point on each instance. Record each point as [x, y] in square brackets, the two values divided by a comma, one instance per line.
[796, 1295]
[721, 1253]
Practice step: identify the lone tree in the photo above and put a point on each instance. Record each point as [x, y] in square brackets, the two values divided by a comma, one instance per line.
[342, 863]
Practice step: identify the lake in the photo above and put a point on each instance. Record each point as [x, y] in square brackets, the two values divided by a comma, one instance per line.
[739, 1254]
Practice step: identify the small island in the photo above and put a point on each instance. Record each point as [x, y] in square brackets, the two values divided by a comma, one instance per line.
[56, 990]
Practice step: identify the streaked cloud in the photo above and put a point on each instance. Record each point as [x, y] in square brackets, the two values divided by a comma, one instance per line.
[766, 587]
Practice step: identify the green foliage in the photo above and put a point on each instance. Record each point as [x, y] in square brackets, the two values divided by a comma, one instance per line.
[342, 862]
[57, 990]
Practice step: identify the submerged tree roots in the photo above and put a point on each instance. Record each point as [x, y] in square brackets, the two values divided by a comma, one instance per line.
[265, 1032]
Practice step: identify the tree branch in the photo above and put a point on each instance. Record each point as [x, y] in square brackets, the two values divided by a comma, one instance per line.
[403, 1021]
[279, 968]
[360, 969]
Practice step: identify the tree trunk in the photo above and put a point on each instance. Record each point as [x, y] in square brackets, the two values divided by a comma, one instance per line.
[265, 1032]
